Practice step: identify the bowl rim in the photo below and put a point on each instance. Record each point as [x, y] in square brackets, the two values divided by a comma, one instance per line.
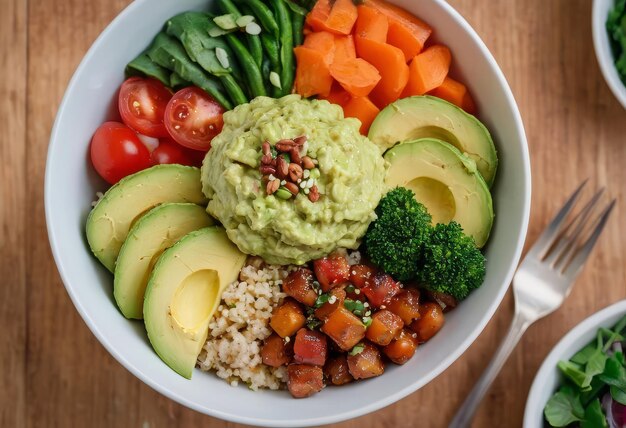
[603, 52]
[560, 351]
[320, 420]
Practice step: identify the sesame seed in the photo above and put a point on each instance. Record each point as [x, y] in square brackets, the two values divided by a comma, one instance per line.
[332, 299]
[287, 339]
[365, 304]
[383, 307]
[353, 272]
[368, 313]
[357, 291]
[282, 183]
[272, 177]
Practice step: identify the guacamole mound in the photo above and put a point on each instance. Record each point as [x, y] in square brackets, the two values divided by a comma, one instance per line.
[296, 230]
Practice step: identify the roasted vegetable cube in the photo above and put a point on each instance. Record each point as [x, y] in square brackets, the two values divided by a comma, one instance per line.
[402, 348]
[276, 352]
[380, 288]
[344, 328]
[304, 380]
[384, 327]
[287, 318]
[405, 304]
[331, 271]
[336, 370]
[299, 285]
[359, 274]
[366, 363]
[310, 347]
[430, 322]
[335, 300]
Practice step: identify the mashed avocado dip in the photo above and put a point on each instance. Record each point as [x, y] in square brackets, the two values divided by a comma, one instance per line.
[295, 230]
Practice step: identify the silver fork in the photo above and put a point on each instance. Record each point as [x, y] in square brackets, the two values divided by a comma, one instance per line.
[542, 282]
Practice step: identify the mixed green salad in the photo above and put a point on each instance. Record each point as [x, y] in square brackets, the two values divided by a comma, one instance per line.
[593, 392]
[616, 27]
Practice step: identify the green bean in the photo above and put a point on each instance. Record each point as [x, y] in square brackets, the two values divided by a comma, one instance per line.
[286, 46]
[227, 6]
[234, 90]
[263, 14]
[271, 47]
[250, 68]
[298, 24]
[254, 41]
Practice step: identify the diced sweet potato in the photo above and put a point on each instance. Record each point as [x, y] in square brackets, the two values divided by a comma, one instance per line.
[402, 348]
[380, 288]
[331, 271]
[328, 308]
[304, 380]
[337, 372]
[337, 95]
[312, 73]
[367, 363]
[276, 352]
[384, 327]
[344, 328]
[430, 322]
[405, 304]
[324, 42]
[299, 285]
[359, 274]
[310, 347]
[287, 318]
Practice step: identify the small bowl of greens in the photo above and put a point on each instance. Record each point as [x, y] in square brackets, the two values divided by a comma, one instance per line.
[609, 40]
[582, 382]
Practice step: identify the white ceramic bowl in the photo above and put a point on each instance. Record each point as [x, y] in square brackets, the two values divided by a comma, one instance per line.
[71, 185]
[603, 49]
[548, 377]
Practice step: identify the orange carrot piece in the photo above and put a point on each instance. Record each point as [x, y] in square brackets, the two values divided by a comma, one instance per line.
[419, 30]
[312, 73]
[344, 48]
[324, 42]
[363, 109]
[337, 95]
[403, 38]
[357, 76]
[337, 17]
[389, 61]
[371, 24]
[428, 70]
[456, 93]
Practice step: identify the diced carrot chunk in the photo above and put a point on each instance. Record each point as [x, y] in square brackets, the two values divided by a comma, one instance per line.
[324, 42]
[428, 70]
[316, 19]
[344, 47]
[371, 24]
[337, 17]
[336, 370]
[363, 109]
[356, 76]
[456, 93]
[367, 363]
[276, 352]
[403, 38]
[421, 31]
[430, 322]
[390, 63]
[468, 104]
[405, 304]
[380, 288]
[402, 348]
[359, 274]
[344, 328]
[287, 318]
[384, 327]
[312, 73]
[299, 285]
[337, 95]
[304, 380]
[310, 347]
[331, 271]
[337, 296]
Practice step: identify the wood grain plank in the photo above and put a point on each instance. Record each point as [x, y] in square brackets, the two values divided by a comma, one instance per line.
[13, 213]
[575, 130]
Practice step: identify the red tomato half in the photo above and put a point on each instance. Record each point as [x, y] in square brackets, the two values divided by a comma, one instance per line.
[116, 152]
[169, 151]
[142, 104]
[193, 118]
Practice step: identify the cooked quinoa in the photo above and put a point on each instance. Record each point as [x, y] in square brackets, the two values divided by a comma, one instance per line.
[241, 323]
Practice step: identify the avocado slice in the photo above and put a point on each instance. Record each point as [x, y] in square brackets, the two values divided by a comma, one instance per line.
[110, 220]
[152, 234]
[183, 292]
[430, 117]
[446, 182]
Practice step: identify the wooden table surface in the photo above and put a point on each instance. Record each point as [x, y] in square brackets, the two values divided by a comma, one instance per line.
[53, 372]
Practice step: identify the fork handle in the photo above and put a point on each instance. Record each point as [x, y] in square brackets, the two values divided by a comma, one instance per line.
[465, 414]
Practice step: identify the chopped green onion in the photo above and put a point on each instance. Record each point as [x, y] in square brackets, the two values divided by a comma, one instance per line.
[358, 348]
[354, 306]
[323, 298]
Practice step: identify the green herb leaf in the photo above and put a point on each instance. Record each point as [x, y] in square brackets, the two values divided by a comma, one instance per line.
[595, 364]
[575, 374]
[313, 323]
[564, 408]
[354, 306]
[323, 298]
[597, 386]
[582, 356]
[614, 372]
[358, 348]
[367, 321]
[594, 417]
[618, 395]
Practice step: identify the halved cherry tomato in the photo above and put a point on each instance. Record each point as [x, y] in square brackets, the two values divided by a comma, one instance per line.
[193, 118]
[116, 152]
[169, 151]
[142, 104]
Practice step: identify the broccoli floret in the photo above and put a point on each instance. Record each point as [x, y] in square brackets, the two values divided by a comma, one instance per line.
[451, 262]
[395, 240]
